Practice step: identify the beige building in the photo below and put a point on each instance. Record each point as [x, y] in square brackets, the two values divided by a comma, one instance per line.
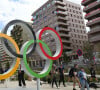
[21, 34]
[5, 59]
[92, 9]
[67, 19]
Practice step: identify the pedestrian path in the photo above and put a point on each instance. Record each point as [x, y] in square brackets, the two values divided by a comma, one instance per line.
[32, 85]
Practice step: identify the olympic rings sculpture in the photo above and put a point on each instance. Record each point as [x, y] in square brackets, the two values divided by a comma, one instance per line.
[35, 44]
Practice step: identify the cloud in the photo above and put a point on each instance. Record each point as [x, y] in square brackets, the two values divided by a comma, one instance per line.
[1, 25]
[18, 9]
[76, 1]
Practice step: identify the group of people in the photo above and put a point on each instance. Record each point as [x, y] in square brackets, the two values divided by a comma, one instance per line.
[54, 73]
[57, 74]
[75, 73]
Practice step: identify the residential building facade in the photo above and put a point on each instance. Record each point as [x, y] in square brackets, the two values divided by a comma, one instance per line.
[21, 34]
[92, 10]
[67, 19]
[5, 59]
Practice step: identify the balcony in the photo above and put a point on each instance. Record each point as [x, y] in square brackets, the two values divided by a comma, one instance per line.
[92, 6]
[64, 30]
[63, 25]
[95, 30]
[64, 35]
[95, 13]
[95, 39]
[66, 41]
[62, 18]
[60, 3]
[61, 8]
[86, 2]
[67, 47]
[93, 22]
[61, 13]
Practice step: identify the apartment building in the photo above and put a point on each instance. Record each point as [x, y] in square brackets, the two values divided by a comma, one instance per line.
[5, 59]
[67, 19]
[21, 34]
[92, 10]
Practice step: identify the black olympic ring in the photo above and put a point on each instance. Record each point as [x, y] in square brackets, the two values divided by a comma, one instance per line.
[7, 45]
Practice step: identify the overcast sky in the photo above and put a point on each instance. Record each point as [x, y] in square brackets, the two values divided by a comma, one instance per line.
[20, 9]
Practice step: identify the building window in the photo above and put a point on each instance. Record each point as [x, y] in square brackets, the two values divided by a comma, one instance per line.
[80, 17]
[73, 11]
[56, 28]
[48, 5]
[44, 8]
[71, 15]
[53, 2]
[78, 36]
[34, 17]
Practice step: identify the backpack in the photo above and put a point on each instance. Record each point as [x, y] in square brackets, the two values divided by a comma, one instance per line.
[71, 72]
[80, 74]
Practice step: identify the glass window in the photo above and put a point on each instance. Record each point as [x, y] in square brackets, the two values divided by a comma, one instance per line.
[57, 28]
[34, 17]
[48, 5]
[40, 11]
[53, 2]
[44, 8]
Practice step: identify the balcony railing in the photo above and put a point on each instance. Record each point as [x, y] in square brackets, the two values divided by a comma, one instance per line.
[95, 38]
[94, 21]
[66, 41]
[65, 35]
[83, 1]
[86, 2]
[95, 30]
[61, 8]
[62, 18]
[64, 30]
[60, 3]
[91, 5]
[67, 47]
[62, 13]
[92, 13]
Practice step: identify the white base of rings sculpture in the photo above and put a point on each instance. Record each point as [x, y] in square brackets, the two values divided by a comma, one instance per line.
[34, 44]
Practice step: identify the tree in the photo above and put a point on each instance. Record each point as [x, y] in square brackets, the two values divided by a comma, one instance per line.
[65, 57]
[98, 50]
[7, 65]
[88, 51]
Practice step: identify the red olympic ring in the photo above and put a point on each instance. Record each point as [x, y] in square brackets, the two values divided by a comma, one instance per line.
[61, 50]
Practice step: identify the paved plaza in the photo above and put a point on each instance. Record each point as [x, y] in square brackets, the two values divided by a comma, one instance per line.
[32, 85]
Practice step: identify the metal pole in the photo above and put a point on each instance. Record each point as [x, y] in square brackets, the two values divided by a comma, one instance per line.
[38, 83]
[7, 82]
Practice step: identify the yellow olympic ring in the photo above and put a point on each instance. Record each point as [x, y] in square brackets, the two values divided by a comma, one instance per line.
[11, 72]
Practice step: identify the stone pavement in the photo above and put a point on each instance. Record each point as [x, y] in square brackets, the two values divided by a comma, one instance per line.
[31, 85]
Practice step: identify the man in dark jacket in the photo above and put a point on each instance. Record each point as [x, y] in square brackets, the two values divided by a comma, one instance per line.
[61, 75]
[93, 73]
[21, 79]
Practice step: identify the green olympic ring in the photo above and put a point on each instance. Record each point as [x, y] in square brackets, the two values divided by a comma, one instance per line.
[37, 75]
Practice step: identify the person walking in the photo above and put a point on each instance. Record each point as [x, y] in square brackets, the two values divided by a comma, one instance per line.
[69, 74]
[83, 79]
[1, 72]
[93, 73]
[21, 78]
[61, 75]
[54, 79]
[74, 75]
